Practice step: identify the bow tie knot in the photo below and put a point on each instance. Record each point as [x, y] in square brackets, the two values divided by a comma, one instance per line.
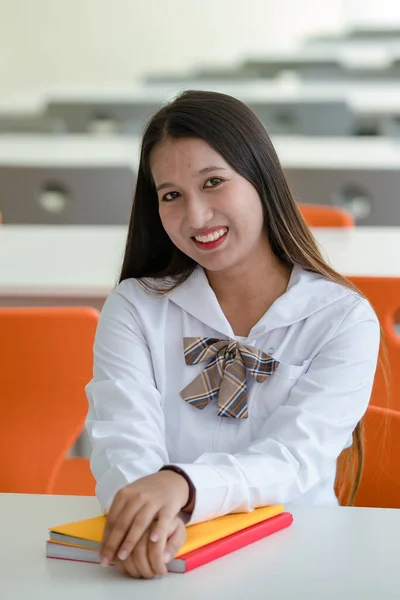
[225, 375]
[230, 351]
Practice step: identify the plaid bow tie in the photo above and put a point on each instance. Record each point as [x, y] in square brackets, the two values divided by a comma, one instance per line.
[225, 375]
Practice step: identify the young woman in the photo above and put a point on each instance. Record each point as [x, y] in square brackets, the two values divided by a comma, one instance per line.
[232, 365]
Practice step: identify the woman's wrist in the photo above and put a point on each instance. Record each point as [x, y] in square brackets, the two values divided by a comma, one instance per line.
[189, 505]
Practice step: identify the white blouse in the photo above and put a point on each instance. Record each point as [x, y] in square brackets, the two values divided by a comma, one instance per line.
[326, 339]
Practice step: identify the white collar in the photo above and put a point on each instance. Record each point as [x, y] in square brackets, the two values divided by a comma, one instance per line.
[306, 294]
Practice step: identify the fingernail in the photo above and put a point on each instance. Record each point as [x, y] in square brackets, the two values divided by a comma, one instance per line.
[105, 562]
[123, 554]
[167, 557]
[154, 537]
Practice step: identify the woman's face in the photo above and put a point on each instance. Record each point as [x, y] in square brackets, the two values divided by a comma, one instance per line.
[209, 211]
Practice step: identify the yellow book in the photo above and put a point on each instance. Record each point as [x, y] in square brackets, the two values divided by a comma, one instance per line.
[89, 532]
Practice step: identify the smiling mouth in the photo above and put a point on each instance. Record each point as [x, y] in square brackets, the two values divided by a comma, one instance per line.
[212, 240]
[211, 237]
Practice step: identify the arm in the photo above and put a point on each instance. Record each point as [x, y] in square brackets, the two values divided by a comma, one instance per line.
[303, 437]
[125, 421]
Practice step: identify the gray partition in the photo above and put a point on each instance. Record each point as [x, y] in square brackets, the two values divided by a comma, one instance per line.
[234, 74]
[305, 117]
[293, 117]
[12, 124]
[371, 36]
[373, 33]
[94, 116]
[322, 69]
[72, 195]
[372, 196]
[270, 67]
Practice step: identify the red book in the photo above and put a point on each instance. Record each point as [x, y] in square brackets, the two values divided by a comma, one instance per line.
[235, 541]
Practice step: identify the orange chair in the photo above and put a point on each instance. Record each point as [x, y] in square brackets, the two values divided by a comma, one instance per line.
[380, 483]
[46, 360]
[384, 295]
[320, 215]
[74, 478]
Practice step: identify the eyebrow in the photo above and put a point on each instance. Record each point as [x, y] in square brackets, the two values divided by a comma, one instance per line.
[204, 171]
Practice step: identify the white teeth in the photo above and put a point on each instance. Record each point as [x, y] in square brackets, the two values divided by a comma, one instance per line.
[211, 237]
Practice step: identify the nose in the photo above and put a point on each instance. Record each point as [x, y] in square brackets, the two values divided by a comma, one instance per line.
[198, 211]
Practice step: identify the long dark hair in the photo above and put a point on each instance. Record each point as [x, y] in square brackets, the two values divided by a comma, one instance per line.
[235, 132]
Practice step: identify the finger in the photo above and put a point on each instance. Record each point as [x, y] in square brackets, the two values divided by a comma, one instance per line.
[116, 508]
[141, 523]
[117, 532]
[120, 566]
[128, 567]
[117, 505]
[141, 560]
[162, 527]
[175, 542]
[156, 549]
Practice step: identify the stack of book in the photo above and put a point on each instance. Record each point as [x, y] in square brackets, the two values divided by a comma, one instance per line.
[80, 541]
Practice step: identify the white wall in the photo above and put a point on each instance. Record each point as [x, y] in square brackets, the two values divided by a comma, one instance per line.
[46, 42]
[370, 13]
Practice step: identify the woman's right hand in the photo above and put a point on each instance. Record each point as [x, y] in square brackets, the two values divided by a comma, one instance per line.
[149, 503]
[149, 559]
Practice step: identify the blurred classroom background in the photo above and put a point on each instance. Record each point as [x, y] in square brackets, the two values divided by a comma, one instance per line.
[79, 79]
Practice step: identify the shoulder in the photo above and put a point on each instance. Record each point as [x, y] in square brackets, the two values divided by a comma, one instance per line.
[346, 305]
[132, 298]
[134, 291]
[332, 305]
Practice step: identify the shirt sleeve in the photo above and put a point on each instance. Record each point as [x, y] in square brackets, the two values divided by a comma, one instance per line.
[125, 421]
[302, 439]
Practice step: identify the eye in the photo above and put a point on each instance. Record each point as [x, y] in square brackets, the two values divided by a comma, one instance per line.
[170, 196]
[213, 181]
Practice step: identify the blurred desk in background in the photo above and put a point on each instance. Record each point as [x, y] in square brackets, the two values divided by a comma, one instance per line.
[68, 150]
[84, 180]
[74, 180]
[59, 265]
[68, 265]
[355, 107]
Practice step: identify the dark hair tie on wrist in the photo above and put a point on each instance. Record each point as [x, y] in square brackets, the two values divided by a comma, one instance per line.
[180, 471]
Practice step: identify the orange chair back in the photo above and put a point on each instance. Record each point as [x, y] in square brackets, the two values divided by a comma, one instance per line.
[380, 483]
[74, 478]
[384, 295]
[46, 361]
[320, 215]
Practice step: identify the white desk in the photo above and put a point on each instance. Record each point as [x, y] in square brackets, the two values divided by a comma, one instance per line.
[336, 153]
[68, 151]
[69, 264]
[23, 104]
[327, 554]
[59, 265]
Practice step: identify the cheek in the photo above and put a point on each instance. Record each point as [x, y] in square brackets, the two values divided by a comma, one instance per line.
[170, 219]
[247, 213]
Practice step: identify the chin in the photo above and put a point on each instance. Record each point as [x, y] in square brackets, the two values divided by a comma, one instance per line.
[215, 265]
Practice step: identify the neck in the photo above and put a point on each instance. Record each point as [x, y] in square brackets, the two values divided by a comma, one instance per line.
[245, 292]
[249, 282]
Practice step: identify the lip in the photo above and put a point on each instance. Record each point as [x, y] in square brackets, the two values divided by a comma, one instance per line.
[211, 245]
